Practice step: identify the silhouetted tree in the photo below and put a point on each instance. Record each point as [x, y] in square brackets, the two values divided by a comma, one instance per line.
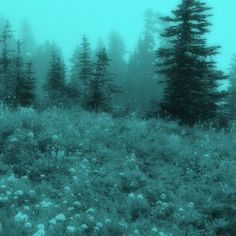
[191, 94]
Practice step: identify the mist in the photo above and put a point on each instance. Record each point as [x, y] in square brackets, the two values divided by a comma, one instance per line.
[66, 21]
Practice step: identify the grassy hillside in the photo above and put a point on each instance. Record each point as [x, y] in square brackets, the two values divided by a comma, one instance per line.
[78, 173]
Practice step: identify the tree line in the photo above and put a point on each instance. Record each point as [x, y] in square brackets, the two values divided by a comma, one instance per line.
[171, 73]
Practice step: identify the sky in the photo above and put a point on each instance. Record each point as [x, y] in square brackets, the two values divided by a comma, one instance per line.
[65, 21]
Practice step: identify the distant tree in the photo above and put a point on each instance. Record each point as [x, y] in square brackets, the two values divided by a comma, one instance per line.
[118, 65]
[191, 94]
[25, 81]
[85, 70]
[55, 81]
[232, 97]
[101, 85]
[6, 66]
[28, 39]
[141, 76]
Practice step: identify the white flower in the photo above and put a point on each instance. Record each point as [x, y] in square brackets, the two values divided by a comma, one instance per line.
[21, 217]
[55, 137]
[84, 227]
[163, 196]
[131, 195]
[11, 178]
[40, 226]
[72, 170]
[100, 225]
[26, 208]
[53, 222]
[3, 186]
[19, 193]
[70, 229]
[77, 203]
[60, 217]
[13, 140]
[90, 210]
[67, 189]
[140, 196]
[136, 231]
[45, 204]
[77, 216]
[154, 230]
[28, 225]
[107, 221]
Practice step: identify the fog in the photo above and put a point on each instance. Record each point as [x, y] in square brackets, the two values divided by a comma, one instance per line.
[66, 21]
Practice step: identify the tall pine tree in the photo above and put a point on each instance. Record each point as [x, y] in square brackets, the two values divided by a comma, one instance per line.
[191, 94]
[7, 87]
[55, 86]
[101, 86]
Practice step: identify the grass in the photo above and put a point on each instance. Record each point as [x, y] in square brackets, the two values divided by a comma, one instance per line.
[78, 173]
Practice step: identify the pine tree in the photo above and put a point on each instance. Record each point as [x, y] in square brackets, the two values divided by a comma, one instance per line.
[6, 67]
[25, 81]
[191, 94]
[101, 86]
[232, 97]
[85, 70]
[55, 86]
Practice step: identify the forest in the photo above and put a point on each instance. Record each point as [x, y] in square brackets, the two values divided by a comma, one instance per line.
[115, 142]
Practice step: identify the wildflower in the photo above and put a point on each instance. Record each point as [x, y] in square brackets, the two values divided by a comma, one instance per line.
[13, 140]
[55, 137]
[28, 225]
[84, 227]
[45, 204]
[136, 231]
[11, 178]
[70, 229]
[27, 208]
[19, 193]
[21, 217]
[90, 210]
[3, 186]
[60, 217]
[191, 204]
[67, 189]
[52, 222]
[72, 170]
[100, 225]
[91, 218]
[70, 209]
[41, 230]
[140, 196]
[163, 196]
[131, 195]
[77, 203]
[107, 221]
[154, 230]
[77, 216]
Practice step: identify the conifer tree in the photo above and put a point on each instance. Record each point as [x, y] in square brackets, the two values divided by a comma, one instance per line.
[6, 67]
[101, 86]
[232, 97]
[55, 85]
[85, 70]
[25, 81]
[191, 94]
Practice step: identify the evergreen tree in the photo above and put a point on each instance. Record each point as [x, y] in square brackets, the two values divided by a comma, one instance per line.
[232, 97]
[85, 70]
[25, 81]
[6, 67]
[55, 86]
[191, 94]
[141, 76]
[101, 86]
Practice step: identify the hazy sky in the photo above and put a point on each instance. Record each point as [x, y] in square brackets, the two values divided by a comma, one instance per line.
[66, 20]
